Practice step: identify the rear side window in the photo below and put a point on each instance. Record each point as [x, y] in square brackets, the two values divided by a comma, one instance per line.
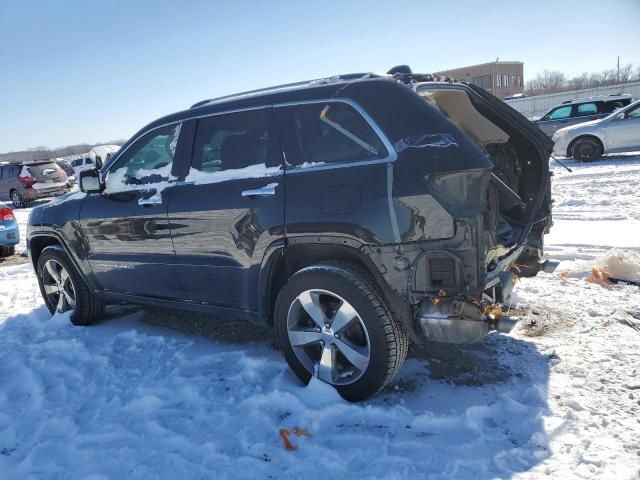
[608, 107]
[587, 109]
[234, 141]
[559, 113]
[329, 132]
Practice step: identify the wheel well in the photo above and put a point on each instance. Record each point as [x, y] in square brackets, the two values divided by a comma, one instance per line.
[295, 257]
[581, 137]
[37, 244]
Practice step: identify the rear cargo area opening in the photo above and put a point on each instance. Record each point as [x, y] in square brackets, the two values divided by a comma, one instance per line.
[515, 178]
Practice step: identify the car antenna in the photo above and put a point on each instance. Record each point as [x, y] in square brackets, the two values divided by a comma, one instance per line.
[568, 169]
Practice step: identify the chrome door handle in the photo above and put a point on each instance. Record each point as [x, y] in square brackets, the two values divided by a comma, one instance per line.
[265, 191]
[147, 202]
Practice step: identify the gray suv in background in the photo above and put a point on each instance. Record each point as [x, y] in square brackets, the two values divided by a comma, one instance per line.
[572, 112]
[25, 182]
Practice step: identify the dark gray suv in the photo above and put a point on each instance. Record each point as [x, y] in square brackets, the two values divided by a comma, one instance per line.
[353, 214]
[583, 110]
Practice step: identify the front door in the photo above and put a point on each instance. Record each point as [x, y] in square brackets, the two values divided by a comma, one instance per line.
[126, 227]
[623, 134]
[228, 209]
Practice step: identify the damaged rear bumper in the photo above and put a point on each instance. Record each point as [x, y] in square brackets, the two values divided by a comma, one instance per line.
[458, 321]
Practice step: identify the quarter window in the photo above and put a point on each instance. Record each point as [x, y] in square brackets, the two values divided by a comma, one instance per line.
[332, 132]
[147, 163]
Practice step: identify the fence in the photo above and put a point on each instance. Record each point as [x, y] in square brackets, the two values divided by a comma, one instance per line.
[534, 106]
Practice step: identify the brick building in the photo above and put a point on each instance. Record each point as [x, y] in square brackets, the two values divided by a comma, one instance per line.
[500, 78]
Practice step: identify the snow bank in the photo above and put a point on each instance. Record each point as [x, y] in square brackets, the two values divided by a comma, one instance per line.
[620, 264]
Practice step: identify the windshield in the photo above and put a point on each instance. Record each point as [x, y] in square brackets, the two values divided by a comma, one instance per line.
[622, 110]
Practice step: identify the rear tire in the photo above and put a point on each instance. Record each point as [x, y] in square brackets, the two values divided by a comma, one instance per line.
[17, 200]
[56, 273]
[354, 318]
[586, 149]
[7, 251]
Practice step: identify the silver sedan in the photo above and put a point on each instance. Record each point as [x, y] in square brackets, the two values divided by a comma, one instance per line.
[618, 132]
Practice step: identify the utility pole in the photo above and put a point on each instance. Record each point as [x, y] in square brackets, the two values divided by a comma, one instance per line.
[618, 74]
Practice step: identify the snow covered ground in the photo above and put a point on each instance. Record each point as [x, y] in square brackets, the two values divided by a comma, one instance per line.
[147, 394]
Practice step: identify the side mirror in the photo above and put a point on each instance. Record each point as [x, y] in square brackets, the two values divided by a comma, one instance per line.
[89, 181]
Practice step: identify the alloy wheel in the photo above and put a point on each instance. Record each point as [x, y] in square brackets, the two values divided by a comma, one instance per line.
[328, 337]
[58, 286]
[16, 198]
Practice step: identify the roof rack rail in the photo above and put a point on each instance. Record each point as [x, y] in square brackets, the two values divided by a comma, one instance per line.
[253, 92]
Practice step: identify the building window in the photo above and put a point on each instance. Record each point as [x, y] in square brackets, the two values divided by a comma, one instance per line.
[483, 81]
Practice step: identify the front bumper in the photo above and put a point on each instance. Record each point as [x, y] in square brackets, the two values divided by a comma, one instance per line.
[561, 144]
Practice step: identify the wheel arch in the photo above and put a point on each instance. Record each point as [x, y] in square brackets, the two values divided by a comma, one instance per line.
[39, 241]
[281, 263]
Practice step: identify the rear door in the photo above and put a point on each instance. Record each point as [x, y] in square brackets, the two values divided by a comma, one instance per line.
[338, 173]
[228, 209]
[126, 228]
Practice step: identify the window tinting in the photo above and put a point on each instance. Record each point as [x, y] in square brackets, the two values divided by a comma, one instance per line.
[587, 109]
[561, 112]
[232, 141]
[327, 133]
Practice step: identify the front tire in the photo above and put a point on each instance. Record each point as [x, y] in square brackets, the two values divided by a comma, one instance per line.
[333, 322]
[63, 289]
[586, 149]
[7, 251]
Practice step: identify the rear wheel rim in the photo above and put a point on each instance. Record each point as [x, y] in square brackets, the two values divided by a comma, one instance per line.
[328, 337]
[16, 198]
[58, 286]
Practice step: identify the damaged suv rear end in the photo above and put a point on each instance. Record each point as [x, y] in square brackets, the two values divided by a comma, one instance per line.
[470, 206]
[354, 214]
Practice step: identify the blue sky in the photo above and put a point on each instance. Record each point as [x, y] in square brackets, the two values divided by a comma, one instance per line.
[88, 71]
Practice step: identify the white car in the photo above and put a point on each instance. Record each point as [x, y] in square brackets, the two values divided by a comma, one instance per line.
[618, 132]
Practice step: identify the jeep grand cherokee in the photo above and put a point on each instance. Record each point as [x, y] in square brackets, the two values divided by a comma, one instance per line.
[353, 214]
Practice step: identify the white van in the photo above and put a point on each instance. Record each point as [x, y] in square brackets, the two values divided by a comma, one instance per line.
[95, 157]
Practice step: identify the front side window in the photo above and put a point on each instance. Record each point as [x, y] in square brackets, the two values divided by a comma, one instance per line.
[147, 164]
[560, 113]
[587, 109]
[332, 132]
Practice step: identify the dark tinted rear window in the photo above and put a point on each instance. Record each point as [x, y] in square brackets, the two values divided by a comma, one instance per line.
[610, 106]
[44, 170]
